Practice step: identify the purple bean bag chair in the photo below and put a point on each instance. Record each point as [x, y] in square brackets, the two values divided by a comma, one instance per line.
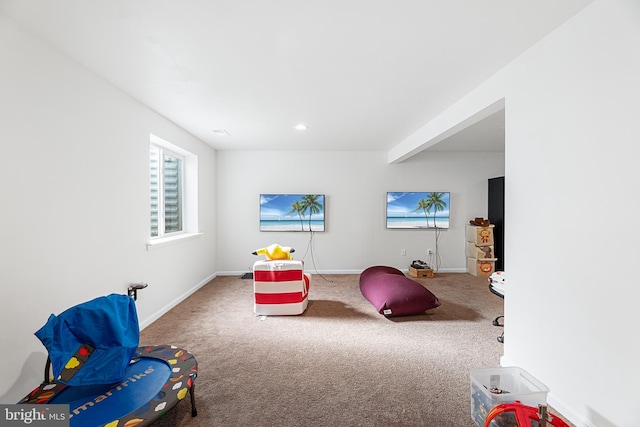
[394, 294]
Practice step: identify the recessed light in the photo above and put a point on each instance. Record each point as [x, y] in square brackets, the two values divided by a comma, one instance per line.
[301, 127]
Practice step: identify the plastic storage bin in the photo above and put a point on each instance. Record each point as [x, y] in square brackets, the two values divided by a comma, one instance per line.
[493, 386]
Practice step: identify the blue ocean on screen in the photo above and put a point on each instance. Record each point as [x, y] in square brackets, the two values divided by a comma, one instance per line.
[291, 212]
[291, 225]
[412, 210]
[417, 222]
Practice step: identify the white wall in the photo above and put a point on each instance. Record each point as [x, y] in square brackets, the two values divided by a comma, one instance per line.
[74, 187]
[572, 185]
[571, 180]
[355, 185]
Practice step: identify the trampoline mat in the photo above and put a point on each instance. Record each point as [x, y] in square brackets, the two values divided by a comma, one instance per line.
[97, 405]
[154, 383]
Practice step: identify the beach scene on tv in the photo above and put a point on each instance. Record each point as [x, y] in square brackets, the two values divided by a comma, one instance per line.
[418, 210]
[292, 212]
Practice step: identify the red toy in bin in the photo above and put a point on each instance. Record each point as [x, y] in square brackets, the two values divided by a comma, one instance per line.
[517, 414]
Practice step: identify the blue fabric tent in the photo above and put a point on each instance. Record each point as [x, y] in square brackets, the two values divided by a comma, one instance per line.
[93, 342]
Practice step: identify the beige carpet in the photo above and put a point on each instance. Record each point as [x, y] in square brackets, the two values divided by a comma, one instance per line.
[338, 364]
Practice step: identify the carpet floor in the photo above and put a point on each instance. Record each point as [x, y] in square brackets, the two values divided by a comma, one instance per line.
[338, 364]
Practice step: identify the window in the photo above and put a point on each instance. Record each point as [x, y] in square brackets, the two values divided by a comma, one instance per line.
[166, 191]
[173, 191]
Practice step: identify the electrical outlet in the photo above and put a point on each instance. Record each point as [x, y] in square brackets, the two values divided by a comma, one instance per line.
[403, 252]
[429, 252]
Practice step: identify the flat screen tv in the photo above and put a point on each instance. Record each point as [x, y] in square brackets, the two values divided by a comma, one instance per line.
[418, 210]
[291, 212]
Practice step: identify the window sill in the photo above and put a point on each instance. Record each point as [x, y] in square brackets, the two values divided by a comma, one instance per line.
[166, 241]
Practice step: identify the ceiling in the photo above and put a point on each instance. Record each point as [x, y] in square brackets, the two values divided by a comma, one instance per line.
[239, 75]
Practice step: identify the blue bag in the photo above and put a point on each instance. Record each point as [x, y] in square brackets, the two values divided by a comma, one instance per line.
[93, 342]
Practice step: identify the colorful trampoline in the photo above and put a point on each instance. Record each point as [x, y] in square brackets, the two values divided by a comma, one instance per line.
[150, 379]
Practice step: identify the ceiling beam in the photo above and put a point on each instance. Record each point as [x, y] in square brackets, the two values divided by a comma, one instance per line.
[480, 103]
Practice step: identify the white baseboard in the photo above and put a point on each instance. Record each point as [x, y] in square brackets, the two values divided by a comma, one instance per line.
[567, 412]
[158, 314]
[452, 270]
[504, 362]
[357, 271]
[556, 403]
[306, 270]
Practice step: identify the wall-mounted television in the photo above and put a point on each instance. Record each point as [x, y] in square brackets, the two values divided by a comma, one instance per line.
[292, 212]
[418, 210]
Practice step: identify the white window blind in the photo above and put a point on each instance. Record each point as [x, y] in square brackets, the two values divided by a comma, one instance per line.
[167, 191]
